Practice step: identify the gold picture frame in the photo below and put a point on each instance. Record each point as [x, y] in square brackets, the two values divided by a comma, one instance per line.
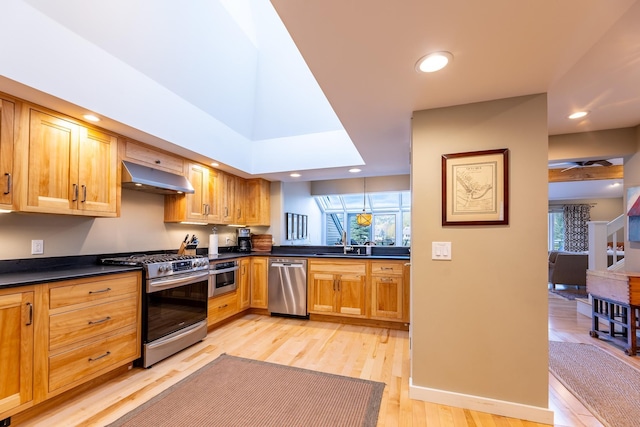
[475, 188]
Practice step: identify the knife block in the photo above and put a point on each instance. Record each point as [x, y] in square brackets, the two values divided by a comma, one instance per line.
[187, 249]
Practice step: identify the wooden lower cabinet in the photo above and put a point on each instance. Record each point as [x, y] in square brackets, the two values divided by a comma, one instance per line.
[93, 327]
[16, 349]
[337, 287]
[85, 328]
[259, 277]
[244, 284]
[387, 290]
[222, 307]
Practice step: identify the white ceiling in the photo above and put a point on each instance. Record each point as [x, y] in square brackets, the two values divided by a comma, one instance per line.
[207, 80]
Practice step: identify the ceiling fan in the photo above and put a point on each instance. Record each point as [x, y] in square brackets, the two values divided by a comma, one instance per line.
[580, 164]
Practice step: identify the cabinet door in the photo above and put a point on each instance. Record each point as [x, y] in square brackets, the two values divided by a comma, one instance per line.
[52, 183]
[228, 185]
[322, 292]
[387, 297]
[7, 117]
[238, 205]
[197, 203]
[259, 298]
[215, 199]
[257, 205]
[352, 295]
[97, 172]
[244, 300]
[16, 349]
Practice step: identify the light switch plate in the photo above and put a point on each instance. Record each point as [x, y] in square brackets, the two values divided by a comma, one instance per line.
[441, 250]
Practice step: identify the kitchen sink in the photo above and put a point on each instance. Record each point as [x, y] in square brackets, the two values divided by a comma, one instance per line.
[340, 254]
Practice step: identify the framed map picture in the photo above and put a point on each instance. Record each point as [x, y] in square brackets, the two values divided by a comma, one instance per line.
[475, 188]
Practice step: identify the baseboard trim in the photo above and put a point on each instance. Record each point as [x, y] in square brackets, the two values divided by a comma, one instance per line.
[481, 404]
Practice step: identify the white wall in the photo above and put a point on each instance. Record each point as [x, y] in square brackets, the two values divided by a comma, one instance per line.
[297, 199]
[140, 228]
[479, 321]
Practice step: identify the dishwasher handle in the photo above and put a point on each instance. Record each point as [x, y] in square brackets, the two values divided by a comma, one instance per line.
[287, 264]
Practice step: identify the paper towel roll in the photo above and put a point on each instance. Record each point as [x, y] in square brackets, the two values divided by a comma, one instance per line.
[213, 244]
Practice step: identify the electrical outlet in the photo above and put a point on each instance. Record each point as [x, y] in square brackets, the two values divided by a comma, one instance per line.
[37, 247]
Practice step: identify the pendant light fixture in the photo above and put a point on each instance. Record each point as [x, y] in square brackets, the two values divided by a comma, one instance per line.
[364, 219]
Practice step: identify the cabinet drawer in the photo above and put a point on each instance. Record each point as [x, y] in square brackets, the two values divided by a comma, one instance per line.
[338, 267]
[78, 364]
[92, 290]
[152, 158]
[222, 307]
[387, 268]
[78, 325]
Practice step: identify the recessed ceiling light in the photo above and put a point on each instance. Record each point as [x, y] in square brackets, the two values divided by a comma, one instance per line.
[355, 170]
[578, 115]
[433, 62]
[295, 175]
[91, 118]
[215, 165]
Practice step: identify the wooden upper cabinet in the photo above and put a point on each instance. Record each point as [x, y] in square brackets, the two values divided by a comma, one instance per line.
[7, 117]
[227, 197]
[201, 206]
[198, 202]
[71, 169]
[153, 158]
[257, 205]
[239, 201]
[97, 172]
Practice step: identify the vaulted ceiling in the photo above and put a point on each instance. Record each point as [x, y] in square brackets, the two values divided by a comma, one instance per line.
[216, 80]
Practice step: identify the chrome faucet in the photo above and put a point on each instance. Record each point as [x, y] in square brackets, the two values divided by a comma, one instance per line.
[345, 248]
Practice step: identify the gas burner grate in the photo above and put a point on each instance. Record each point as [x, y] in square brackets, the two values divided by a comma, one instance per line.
[144, 259]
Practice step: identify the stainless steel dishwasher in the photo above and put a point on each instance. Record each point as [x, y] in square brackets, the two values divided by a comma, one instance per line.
[288, 287]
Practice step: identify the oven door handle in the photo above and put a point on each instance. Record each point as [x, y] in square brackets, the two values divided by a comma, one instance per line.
[174, 283]
[224, 270]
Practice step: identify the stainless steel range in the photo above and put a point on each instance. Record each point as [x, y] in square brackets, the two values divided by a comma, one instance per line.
[174, 302]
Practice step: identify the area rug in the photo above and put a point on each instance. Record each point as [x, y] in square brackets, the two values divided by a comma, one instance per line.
[608, 387]
[233, 391]
[570, 294]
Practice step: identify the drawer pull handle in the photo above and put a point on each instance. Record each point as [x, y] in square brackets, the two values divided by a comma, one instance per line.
[8, 175]
[386, 279]
[100, 291]
[93, 359]
[386, 268]
[75, 193]
[30, 313]
[84, 193]
[223, 306]
[96, 322]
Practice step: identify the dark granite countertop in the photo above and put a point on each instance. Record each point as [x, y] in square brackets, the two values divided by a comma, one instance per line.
[23, 278]
[31, 271]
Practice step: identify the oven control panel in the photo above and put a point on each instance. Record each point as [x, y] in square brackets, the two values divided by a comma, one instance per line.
[175, 267]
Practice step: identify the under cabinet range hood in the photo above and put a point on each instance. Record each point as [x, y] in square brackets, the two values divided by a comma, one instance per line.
[144, 178]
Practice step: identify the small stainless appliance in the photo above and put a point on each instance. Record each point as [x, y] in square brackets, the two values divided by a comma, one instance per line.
[222, 277]
[287, 287]
[244, 240]
[174, 302]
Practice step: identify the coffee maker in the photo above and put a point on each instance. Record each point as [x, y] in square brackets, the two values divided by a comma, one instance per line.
[244, 240]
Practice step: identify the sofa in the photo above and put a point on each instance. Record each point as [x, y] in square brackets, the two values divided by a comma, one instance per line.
[568, 268]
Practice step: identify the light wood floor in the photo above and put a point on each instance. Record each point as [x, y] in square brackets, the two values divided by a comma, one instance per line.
[370, 353]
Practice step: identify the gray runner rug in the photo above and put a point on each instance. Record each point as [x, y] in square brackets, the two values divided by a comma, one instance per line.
[608, 387]
[233, 391]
